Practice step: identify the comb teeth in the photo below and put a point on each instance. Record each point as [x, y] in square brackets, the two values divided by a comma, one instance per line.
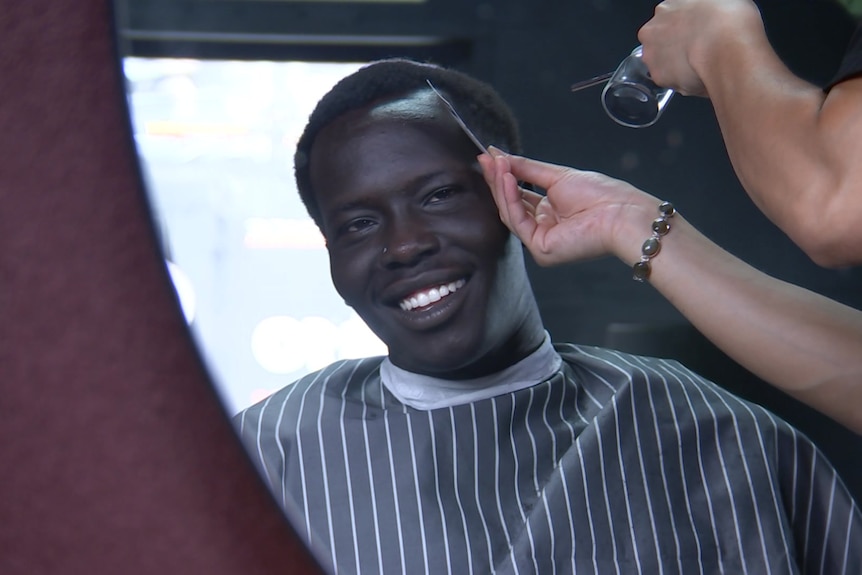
[458, 119]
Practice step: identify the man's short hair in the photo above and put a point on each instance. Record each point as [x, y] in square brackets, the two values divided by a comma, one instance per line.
[477, 103]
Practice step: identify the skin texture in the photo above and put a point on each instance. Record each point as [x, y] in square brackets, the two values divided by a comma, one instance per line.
[405, 208]
[799, 341]
[795, 148]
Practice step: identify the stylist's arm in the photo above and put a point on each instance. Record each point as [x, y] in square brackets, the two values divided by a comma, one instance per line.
[801, 342]
[796, 148]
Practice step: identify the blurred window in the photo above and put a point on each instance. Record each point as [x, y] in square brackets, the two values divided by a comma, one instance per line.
[216, 142]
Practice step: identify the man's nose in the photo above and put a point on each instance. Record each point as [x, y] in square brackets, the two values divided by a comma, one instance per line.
[408, 240]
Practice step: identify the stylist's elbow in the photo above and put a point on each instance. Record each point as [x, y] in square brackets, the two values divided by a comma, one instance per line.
[829, 230]
[832, 256]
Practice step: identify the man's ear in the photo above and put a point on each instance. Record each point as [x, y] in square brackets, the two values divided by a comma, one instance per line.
[322, 234]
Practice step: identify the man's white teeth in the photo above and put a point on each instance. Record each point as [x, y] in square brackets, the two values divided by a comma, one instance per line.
[429, 296]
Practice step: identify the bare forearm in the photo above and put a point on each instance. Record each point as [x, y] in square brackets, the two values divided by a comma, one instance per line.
[793, 150]
[799, 341]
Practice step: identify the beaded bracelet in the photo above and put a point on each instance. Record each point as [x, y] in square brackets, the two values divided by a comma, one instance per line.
[660, 227]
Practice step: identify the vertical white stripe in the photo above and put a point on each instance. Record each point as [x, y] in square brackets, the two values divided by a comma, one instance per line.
[775, 478]
[703, 479]
[324, 469]
[527, 525]
[807, 545]
[419, 507]
[682, 479]
[497, 477]
[850, 513]
[371, 483]
[278, 443]
[443, 523]
[347, 470]
[795, 476]
[627, 375]
[476, 485]
[625, 481]
[551, 532]
[386, 415]
[570, 523]
[739, 406]
[261, 457]
[587, 505]
[457, 491]
[535, 453]
[299, 452]
[277, 440]
[550, 427]
[683, 482]
[771, 480]
[733, 505]
[568, 497]
[517, 462]
[660, 451]
[827, 525]
[605, 495]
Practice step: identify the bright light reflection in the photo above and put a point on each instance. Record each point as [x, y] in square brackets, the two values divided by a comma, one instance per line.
[216, 141]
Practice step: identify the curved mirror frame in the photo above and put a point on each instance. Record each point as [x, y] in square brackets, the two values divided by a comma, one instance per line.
[117, 456]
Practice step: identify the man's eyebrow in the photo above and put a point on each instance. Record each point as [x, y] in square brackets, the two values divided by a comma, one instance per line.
[348, 206]
[410, 187]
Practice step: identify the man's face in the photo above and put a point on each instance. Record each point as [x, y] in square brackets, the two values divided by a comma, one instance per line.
[415, 243]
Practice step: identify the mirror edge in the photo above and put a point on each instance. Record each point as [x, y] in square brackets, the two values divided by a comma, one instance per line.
[122, 459]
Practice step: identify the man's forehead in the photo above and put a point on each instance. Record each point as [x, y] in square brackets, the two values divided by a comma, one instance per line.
[419, 104]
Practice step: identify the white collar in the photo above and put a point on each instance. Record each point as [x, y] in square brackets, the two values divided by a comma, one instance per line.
[425, 392]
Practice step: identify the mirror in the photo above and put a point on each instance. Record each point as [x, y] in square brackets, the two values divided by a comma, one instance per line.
[219, 91]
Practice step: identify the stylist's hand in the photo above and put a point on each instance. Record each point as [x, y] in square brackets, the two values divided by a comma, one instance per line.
[584, 215]
[685, 36]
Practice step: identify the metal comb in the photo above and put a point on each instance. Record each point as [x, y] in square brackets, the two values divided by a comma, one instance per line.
[458, 119]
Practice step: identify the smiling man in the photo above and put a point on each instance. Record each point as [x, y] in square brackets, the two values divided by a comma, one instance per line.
[415, 242]
[478, 445]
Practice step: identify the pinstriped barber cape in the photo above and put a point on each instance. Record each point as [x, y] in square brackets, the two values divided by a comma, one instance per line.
[615, 464]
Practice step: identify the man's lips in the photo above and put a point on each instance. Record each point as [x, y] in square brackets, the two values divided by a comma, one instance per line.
[427, 296]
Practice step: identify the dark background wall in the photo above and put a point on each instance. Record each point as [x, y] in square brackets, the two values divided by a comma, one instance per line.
[532, 51]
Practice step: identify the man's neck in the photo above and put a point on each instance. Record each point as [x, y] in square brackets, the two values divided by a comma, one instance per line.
[428, 392]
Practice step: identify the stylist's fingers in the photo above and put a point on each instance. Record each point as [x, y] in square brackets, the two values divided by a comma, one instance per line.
[506, 195]
[541, 174]
[515, 205]
[520, 207]
[490, 171]
[486, 162]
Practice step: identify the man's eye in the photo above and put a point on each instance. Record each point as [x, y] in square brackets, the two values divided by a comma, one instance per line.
[441, 195]
[357, 225]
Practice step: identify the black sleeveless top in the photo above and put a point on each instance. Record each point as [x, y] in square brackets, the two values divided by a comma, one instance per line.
[851, 65]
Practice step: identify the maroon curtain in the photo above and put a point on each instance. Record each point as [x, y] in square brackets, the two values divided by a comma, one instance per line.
[115, 455]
